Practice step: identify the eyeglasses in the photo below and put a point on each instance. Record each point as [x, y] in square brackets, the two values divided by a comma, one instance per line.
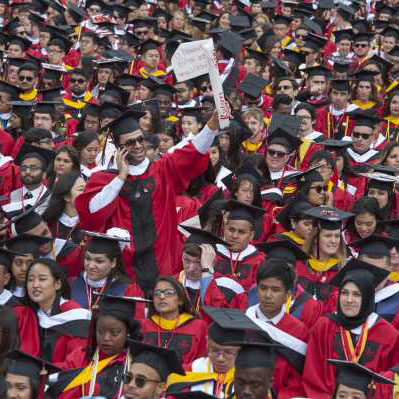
[133, 142]
[139, 381]
[361, 45]
[23, 78]
[319, 189]
[278, 154]
[141, 33]
[284, 87]
[301, 36]
[75, 80]
[364, 136]
[168, 293]
[25, 168]
[206, 87]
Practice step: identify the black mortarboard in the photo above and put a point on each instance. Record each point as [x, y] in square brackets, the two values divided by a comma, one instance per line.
[326, 5]
[244, 170]
[356, 376]
[383, 8]
[127, 80]
[3, 385]
[341, 66]
[179, 36]
[240, 22]
[346, 11]
[22, 108]
[51, 94]
[314, 42]
[99, 3]
[254, 355]
[356, 266]
[365, 76]
[293, 209]
[118, 306]
[391, 227]
[198, 236]
[241, 211]
[26, 243]
[159, 12]
[44, 154]
[267, 5]
[253, 86]
[6, 256]
[209, 16]
[199, 23]
[388, 170]
[12, 24]
[211, 207]
[257, 55]
[145, 22]
[318, 70]
[128, 122]
[191, 111]
[283, 249]
[149, 44]
[92, 109]
[29, 366]
[365, 118]
[6, 87]
[164, 361]
[296, 57]
[282, 20]
[124, 94]
[284, 138]
[22, 41]
[151, 140]
[50, 72]
[231, 42]
[281, 68]
[336, 145]
[111, 110]
[380, 181]
[329, 218]
[374, 245]
[363, 37]
[46, 107]
[100, 243]
[164, 89]
[224, 336]
[340, 84]
[344, 34]
[78, 13]
[189, 394]
[57, 6]
[390, 31]
[229, 319]
[312, 26]
[131, 39]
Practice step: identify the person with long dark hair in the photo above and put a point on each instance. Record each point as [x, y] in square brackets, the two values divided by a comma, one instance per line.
[104, 272]
[107, 356]
[376, 345]
[61, 215]
[172, 322]
[88, 146]
[62, 323]
[9, 335]
[66, 160]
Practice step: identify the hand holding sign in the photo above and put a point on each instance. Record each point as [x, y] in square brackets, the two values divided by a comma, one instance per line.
[198, 58]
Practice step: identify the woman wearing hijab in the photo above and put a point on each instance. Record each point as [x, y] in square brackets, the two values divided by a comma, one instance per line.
[354, 333]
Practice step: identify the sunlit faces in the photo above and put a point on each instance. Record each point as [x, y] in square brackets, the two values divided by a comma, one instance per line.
[365, 224]
[18, 387]
[364, 91]
[165, 142]
[31, 172]
[277, 157]
[98, 266]
[329, 241]
[151, 58]
[317, 193]
[190, 125]
[394, 105]
[302, 228]
[166, 300]
[317, 85]
[286, 87]
[272, 296]
[245, 192]
[214, 155]
[192, 266]
[388, 43]
[361, 48]
[350, 299]
[62, 163]
[43, 121]
[306, 126]
[345, 392]
[238, 234]
[89, 153]
[344, 47]
[134, 143]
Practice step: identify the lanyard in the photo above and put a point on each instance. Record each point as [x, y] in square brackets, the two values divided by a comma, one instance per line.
[233, 265]
[330, 124]
[168, 340]
[197, 299]
[38, 197]
[288, 304]
[351, 352]
[89, 297]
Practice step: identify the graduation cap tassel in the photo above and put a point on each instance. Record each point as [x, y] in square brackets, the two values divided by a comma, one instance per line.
[105, 145]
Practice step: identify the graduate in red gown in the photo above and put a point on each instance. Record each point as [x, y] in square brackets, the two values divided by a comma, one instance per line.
[10, 177]
[333, 336]
[107, 356]
[172, 323]
[104, 272]
[140, 197]
[62, 323]
[275, 283]
[239, 259]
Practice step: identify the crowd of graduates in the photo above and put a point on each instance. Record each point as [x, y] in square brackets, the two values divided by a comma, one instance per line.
[146, 253]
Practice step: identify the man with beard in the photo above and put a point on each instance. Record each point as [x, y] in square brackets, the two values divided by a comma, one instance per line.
[28, 76]
[140, 196]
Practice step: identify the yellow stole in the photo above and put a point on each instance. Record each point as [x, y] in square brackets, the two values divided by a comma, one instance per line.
[172, 118]
[251, 147]
[145, 73]
[303, 149]
[394, 276]
[392, 119]
[31, 96]
[364, 107]
[294, 237]
[78, 104]
[322, 266]
[171, 324]
[391, 86]
[85, 375]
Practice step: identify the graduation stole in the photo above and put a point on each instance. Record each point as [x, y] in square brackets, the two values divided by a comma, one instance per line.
[288, 304]
[146, 74]
[298, 240]
[78, 104]
[396, 387]
[303, 149]
[352, 353]
[391, 86]
[330, 122]
[251, 147]
[171, 324]
[330, 186]
[394, 276]
[322, 266]
[364, 107]
[391, 119]
[28, 96]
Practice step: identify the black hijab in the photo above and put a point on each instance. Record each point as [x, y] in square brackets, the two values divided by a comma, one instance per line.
[364, 280]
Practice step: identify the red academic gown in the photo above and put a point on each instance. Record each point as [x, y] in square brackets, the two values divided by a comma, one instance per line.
[107, 383]
[318, 378]
[187, 338]
[152, 212]
[390, 128]
[386, 391]
[333, 127]
[10, 180]
[57, 342]
[244, 266]
[6, 142]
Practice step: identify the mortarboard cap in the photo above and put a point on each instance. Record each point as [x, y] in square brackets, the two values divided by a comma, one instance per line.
[282, 137]
[25, 243]
[283, 249]
[128, 122]
[383, 8]
[22, 108]
[253, 86]
[312, 25]
[374, 245]
[78, 13]
[131, 39]
[51, 94]
[394, 51]
[29, 366]
[247, 34]
[159, 12]
[363, 37]
[46, 107]
[246, 169]
[241, 211]
[388, 170]
[144, 22]
[224, 336]
[296, 57]
[326, 5]
[341, 66]
[344, 34]
[357, 267]
[345, 11]
[149, 44]
[282, 20]
[329, 218]
[356, 376]
[126, 80]
[118, 305]
[9, 88]
[390, 31]
[100, 243]
[365, 76]
[123, 94]
[164, 361]
[333, 145]
[198, 236]
[340, 85]
[45, 155]
[391, 227]
[257, 55]
[6, 256]
[240, 22]
[318, 70]
[314, 42]
[211, 207]
[293, 209]
[199, 23]
[231, 42]
[365, 118]
[21, 41]
[164, 89]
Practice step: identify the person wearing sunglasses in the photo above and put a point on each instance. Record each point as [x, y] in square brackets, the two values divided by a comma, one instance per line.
[172, 322]
[149, 370]
[365, 131]
[362, 46]
[28, 79]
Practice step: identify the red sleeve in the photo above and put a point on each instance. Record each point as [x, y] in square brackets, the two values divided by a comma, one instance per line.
[17, 146]
[321, 121]
[7, 142]
[72, 262]
[28, 330]
[135, 290]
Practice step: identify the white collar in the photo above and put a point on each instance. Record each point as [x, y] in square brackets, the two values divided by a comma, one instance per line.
[5, 296]
[386, 292]
[378, 142]
[371, 319]
[19, 292]
[349, 108]
[137, 170]
[249, 250]
[195, 285]
[94, 283]
[5, 116]
[4, 159]
[260, 315]
[361, 157]
[36, 191]
[69, 221]
[313, 135]
[279, 175]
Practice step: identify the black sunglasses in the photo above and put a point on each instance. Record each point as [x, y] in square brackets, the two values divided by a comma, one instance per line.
[364, 136]
[75, 80]
[278, 154]
[319, 189]
[139, 381]
[27, 78]
[133, 142]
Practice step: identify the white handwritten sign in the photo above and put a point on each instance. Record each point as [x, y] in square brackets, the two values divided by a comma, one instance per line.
[199, 58]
